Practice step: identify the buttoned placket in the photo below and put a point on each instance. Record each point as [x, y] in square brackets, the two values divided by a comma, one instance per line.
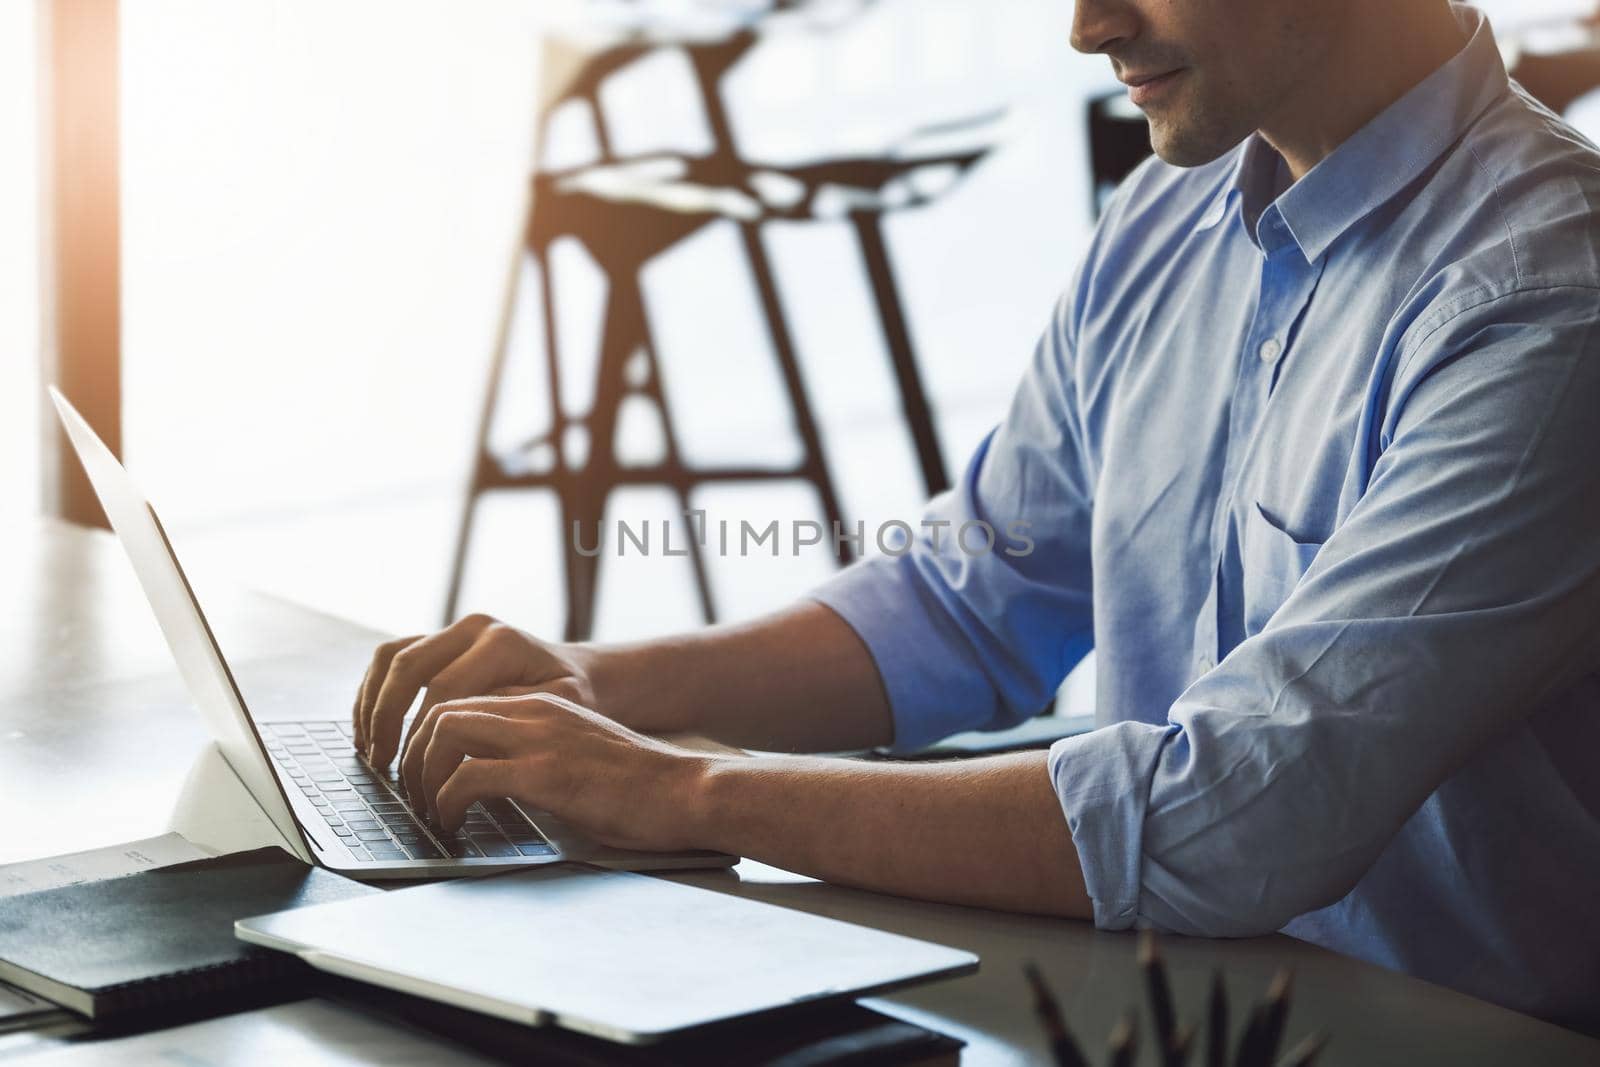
[1287, 282]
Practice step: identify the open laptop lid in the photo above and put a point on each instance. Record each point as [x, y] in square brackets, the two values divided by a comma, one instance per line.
[621, 956]
[188, 635]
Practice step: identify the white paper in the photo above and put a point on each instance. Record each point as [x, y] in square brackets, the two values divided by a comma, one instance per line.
[16, 1002]
[97, 865]
[215, 810]
[310, 1033]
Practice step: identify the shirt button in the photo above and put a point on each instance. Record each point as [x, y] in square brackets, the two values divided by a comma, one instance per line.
[1270, 350]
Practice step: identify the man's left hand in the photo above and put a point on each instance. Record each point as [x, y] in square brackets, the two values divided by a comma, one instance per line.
[550, 754]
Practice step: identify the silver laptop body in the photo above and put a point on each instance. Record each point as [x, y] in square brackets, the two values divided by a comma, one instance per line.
[606, 953]
[329, 806]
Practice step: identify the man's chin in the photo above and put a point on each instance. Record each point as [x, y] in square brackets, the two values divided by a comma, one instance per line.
[1185, 145]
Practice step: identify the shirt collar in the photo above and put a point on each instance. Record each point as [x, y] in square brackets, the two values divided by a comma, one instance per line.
[1383, 157]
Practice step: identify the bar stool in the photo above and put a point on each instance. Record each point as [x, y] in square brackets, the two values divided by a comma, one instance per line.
[621, 240]
[627, 213]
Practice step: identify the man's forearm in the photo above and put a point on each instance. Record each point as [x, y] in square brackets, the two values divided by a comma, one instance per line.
[984, 832]
[800, 680]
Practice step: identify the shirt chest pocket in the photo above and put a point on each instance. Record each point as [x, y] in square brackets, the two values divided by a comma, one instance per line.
[1274, 561]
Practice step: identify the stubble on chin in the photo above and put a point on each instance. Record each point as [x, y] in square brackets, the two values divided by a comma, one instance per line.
[1192, 132]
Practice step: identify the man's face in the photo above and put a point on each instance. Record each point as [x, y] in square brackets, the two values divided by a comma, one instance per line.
[1208, 73]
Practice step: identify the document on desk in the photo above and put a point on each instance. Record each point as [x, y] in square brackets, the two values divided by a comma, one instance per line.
[18, 1004]
[308, 1033]
[97, 865]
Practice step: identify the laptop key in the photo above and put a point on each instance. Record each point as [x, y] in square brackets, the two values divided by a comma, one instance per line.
[423, 850]
[345, 832]
[363, 823]
[536, 850]
[513, 822]
[389, 854]
[374, 836]
[498, 848]
[458, 848]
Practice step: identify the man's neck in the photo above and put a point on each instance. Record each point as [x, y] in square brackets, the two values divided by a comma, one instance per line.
[1390, 47]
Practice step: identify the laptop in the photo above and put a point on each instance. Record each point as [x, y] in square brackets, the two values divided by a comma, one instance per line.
[331, 807]
[607, 953]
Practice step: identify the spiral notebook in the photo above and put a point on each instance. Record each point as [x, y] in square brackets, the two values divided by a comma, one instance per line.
[161, 938]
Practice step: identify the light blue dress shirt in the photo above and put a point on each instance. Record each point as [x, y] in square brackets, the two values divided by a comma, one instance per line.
[1314, 468]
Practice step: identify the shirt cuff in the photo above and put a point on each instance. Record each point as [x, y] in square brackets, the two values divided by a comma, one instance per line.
[1103, 781]
[935, 686]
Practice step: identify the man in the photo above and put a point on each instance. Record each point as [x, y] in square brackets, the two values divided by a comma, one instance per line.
[1311, 458]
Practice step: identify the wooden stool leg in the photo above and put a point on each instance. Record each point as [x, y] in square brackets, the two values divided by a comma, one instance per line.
[897, 336]
[817, 469]
[458, 562]
[582, 512]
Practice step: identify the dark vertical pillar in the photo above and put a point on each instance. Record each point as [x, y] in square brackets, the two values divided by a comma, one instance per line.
[80, 229]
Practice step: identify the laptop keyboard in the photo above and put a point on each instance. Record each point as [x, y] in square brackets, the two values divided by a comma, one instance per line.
[369, 813]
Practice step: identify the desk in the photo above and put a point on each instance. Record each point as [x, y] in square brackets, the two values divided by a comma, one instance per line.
[97, 740]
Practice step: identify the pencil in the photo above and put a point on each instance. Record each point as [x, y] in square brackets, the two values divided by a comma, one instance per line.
[1261, 1037]
[1251, 1043]
[1306, 1052]
[1155, 977]
[1277, 1009]
[1124, 1044]
[1062, 1045]
[1177, 1054]
[1217, 1038]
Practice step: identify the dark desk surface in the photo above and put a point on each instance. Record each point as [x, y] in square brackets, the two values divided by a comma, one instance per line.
[97, 740]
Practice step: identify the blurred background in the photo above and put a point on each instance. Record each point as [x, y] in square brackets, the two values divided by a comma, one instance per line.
[320, 204]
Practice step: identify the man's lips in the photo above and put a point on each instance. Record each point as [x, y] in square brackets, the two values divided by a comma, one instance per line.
[1147, 88]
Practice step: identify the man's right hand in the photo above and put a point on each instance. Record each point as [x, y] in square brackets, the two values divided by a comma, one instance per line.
[475, 656]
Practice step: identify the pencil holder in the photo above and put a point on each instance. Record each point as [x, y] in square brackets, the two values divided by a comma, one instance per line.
[1175, 1038]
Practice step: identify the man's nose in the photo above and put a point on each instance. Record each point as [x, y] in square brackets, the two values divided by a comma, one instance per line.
[1101, 25]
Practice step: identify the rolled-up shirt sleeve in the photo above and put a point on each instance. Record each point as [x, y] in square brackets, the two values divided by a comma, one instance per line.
[1462, 589]
[966, 636]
